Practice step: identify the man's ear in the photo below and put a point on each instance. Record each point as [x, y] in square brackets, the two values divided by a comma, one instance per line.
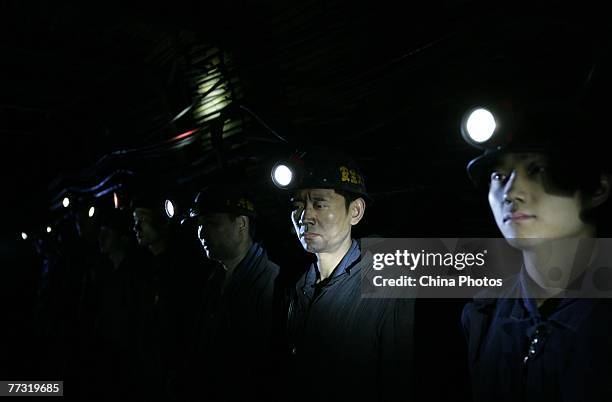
[243, 223]
[356, 210]
[602, 193]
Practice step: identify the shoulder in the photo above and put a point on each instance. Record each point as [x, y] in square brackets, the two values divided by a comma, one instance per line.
[271, 268]
[488, 301]
[364, 262]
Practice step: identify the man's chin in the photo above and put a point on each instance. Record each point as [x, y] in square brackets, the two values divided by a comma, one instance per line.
[304, 244]
[527, 243]
[311, 246]
[213, 256]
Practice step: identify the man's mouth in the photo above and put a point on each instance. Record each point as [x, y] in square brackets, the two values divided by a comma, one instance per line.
[518, 217]
[310, 235]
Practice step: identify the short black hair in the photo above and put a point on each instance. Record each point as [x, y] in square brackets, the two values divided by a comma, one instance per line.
[583, 175]
[601, 215]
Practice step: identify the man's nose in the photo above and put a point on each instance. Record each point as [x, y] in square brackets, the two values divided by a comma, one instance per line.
[514, 190]
[307, 217]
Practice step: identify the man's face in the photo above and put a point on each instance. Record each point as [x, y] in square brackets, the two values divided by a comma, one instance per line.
[148, 229]
[108, 239]
[219, 235]
[523, 205]
[320, 219]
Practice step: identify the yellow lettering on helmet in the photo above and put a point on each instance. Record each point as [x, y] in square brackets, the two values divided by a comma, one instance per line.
[344, 172]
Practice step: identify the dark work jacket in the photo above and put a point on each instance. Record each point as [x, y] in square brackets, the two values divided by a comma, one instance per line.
[347, 348]
[233, 352]
[116, 357]
[169, 293]
[517, 354]
[117, 298]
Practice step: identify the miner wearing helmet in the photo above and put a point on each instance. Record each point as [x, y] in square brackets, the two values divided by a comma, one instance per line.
[343, 346]
[541, 338]
[237, 315]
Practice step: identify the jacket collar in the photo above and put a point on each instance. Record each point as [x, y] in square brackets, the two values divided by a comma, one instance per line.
[344, 267]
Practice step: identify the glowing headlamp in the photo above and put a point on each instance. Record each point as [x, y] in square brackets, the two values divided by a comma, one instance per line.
[480, 128]
[282, 175]
[169, 208]
[289, 172]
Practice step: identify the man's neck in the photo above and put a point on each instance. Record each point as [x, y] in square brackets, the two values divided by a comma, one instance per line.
[556, 263]
[117, 257]
[232, 263]
[329, 261]
[158, 248]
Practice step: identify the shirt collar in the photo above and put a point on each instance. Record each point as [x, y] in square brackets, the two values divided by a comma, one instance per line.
[347, 262]
[569, 313]
[527, 289]
[345, 265]
[246, 265]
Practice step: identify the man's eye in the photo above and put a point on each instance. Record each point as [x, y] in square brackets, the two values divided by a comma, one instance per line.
[537, 168]
[319, 205]
[498, 176]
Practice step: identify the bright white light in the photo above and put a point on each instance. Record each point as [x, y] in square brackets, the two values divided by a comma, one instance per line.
[169, 208]
[24, 236]
[92, 211]
[480, 125]
[116, 200]
[282, 175]
[66, 202]
[48, 229]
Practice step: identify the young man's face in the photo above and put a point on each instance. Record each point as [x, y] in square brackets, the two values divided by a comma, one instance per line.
[108, 239]
[320, 219]
[147, 228]
[523, 205]
[219, 235]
